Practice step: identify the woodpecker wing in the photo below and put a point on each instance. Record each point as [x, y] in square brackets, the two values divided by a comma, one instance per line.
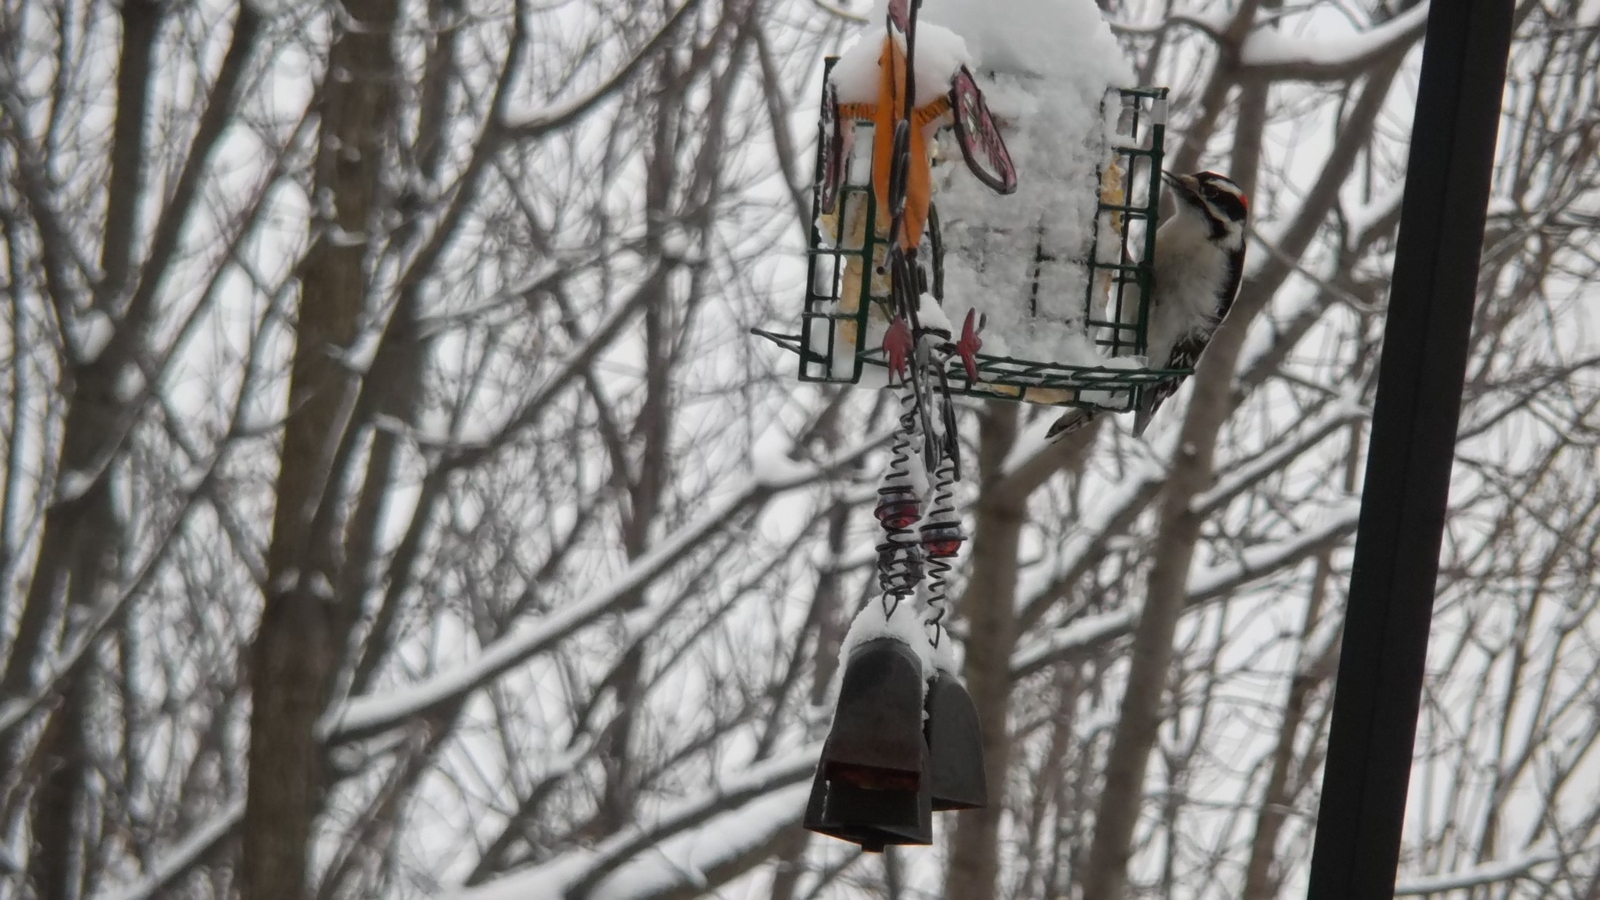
[1232, 280]
[1186, 352]
[1072, 421]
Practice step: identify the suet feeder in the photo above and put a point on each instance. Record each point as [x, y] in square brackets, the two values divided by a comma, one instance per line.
[847, 299]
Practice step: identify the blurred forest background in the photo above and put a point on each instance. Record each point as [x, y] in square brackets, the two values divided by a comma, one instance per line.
[394, 503]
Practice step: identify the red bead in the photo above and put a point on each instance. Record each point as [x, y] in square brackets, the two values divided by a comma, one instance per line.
[898, 513]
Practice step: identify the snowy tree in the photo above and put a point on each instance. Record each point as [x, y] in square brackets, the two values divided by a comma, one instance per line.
[395, 504]
[367, 383]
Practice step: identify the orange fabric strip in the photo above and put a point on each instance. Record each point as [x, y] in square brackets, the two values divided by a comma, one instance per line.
[919, 181]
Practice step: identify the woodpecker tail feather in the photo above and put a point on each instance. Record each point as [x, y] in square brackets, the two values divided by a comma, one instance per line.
[1073, 421]
[1142, 417]
[1151, 401]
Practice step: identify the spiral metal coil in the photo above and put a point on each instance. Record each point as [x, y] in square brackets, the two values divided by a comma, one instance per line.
[941, 537]
[899, 508]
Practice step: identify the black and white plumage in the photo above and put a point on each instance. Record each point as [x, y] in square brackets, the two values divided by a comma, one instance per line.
[1199, 263]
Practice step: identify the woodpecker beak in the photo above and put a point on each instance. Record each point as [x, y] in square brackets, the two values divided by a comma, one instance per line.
[1185, 187]
[1183, 184]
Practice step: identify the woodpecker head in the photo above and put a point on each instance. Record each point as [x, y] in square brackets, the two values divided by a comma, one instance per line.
[1215, 200]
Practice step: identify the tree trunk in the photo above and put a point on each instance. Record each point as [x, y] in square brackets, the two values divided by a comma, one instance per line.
[297, 648]
[989, 605]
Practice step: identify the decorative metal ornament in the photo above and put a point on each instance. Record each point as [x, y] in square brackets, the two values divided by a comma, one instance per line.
[831, 161]
[872, 819]
[848, 301]
[979, 137]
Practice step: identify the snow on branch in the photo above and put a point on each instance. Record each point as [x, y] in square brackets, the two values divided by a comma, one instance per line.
[565, 373]
[1380, 212]
[1276, 56]
[687, 842]
[1101, 521]
[1081, 635]
[1256, 563]
[1477, 876]
[1232, 483]
[1213, 26]
[1091, 633]
[171, 867]
[365, 716]
[78, 647]
[833, 9]
[559, 115]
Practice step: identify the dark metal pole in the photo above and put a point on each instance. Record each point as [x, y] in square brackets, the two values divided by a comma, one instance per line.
[1414, 422]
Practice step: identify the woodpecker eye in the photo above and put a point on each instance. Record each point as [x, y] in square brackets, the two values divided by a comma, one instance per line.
[1230, 204]
[1224, 195]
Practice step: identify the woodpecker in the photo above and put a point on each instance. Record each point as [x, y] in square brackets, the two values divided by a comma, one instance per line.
[1199, 263]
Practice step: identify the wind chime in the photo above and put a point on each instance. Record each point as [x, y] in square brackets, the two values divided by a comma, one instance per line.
[904, 741]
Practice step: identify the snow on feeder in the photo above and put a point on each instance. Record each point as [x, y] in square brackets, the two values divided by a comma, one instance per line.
[1057, 274]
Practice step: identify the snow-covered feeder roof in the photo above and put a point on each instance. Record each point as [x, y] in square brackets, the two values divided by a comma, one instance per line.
[1065, 40]
[939, 53]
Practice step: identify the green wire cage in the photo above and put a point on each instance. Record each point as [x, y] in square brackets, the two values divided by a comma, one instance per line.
[844, 281]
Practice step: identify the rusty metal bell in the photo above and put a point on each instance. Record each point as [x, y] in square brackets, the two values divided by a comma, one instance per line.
[876, 741]
[817, 819]
[955, 746]
[873, 819]
[871, 786]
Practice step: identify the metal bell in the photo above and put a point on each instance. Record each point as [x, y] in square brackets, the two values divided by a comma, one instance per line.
[871, 786]
[873, 819]
[955, 746]
[876, 741]
[817, 818]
